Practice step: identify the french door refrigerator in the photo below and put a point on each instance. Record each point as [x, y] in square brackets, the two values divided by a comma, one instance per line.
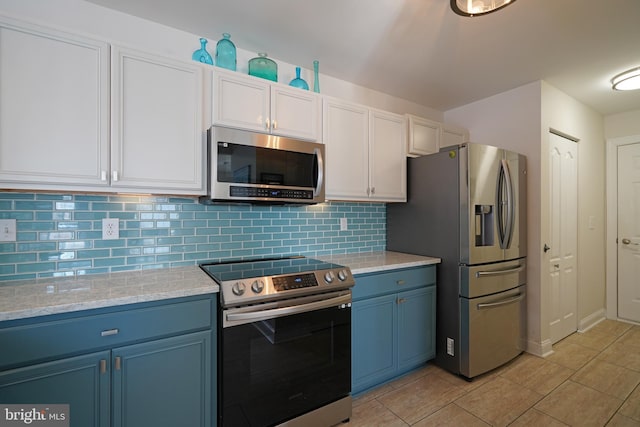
[467, 205]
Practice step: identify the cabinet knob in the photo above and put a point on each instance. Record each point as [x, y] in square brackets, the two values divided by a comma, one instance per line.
[401, 300]
[267, 124]
[275, 124]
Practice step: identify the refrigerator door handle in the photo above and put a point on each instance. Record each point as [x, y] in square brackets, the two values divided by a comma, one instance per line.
[499, 272]
[507, 301]
[505, 225]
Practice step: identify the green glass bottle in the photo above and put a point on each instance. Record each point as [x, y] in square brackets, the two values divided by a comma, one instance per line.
[263, 67]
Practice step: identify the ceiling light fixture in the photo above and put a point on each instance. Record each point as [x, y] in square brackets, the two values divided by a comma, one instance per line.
[478, 7]
[629, 80]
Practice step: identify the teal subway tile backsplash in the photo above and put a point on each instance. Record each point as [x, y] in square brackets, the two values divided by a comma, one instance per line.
[60, 234]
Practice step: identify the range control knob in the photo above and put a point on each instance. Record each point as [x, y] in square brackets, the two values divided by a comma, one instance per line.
[238, 288]
[329, 276]
[342, 275]
[257, 286]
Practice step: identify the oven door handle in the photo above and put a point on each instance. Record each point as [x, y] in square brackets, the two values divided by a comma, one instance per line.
[287, 311]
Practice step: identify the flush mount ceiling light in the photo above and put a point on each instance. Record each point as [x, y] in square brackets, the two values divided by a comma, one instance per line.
[629, 80]
[478, 7]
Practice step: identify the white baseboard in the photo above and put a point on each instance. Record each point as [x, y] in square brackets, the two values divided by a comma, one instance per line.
[592, 320]
[542, 349]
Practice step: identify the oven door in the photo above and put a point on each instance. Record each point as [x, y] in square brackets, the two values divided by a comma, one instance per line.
[280, 360]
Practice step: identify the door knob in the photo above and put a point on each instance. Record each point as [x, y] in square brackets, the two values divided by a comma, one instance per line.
[628, 242]
[546, 248]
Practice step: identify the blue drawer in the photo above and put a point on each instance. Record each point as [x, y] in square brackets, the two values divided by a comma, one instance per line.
[376, 284]
[51, 339]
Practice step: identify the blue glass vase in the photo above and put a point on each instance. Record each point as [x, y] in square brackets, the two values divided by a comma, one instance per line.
[298, 82]
[316, 83]
[201, 55]
[263, 67]
[226, 53]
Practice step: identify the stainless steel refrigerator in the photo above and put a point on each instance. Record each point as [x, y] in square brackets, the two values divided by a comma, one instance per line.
[467, 205]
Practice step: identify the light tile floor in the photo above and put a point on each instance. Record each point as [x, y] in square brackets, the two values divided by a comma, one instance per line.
[591, 379]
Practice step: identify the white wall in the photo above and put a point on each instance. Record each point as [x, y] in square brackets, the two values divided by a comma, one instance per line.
[95, 21]
[623, 124]
[520, 120]
[511, 120]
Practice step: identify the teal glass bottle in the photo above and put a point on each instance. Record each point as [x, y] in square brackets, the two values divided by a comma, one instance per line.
[201, 55]
[316, 83]
[226, 53]
[298, 82]
[263, 67]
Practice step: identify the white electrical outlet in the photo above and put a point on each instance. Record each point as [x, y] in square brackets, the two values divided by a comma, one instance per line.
[450, 347]
[110, 228]
[7, 230]
[343, 224]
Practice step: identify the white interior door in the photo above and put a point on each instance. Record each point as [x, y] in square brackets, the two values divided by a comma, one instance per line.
[562, 243]
[629, 232]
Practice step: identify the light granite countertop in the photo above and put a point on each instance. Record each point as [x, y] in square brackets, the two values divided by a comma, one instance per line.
[371, 262]
[21, 299]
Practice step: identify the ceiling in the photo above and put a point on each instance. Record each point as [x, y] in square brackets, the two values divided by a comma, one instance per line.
[419, 50]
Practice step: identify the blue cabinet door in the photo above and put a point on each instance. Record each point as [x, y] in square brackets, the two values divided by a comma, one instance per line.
[82, 382]
[374, 356]
[163, 383]
[416, 327]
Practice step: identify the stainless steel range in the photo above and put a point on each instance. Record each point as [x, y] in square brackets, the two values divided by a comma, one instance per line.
[284, 342]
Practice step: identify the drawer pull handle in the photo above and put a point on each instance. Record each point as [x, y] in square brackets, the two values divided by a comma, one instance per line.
[400, 282]
[118, 363]
[109, 332]
[103, 366]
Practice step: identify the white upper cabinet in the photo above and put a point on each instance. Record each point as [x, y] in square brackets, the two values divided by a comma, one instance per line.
[387, 156]
[346, 137]
[453, 135]
[424, 136]
[54, 109]
[366, 153]
[250, 103]
[428, 136]
[157, 139]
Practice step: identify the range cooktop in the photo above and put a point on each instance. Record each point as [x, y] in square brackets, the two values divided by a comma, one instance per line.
[259, 280]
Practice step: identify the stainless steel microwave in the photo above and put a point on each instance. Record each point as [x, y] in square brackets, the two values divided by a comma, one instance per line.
[250, 167]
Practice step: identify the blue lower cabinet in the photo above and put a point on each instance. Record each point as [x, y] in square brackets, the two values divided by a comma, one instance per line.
[163, 383]
[82, 382]
[393, 325]
[157, 371]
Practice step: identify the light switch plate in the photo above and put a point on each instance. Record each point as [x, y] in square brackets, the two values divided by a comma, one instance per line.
[110, 228]
[343, 224]
[7, 230]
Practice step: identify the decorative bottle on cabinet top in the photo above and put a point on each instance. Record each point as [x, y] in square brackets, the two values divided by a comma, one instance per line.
[263, 67]
[298, 82]
[316, 83]
[201, 55]
[226, 53]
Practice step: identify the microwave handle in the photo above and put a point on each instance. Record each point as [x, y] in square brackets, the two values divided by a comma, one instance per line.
[320, 180]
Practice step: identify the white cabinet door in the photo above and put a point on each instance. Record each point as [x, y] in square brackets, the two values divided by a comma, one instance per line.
[346, 135]
[424, 136]
[241, 102]
[250, 103]
[452, 135]
[157, 133]
[387, 157]
[296, 113]
[54, 109]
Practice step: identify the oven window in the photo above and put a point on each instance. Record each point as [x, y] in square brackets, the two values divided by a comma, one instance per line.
[243, 164]
[278, 369]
